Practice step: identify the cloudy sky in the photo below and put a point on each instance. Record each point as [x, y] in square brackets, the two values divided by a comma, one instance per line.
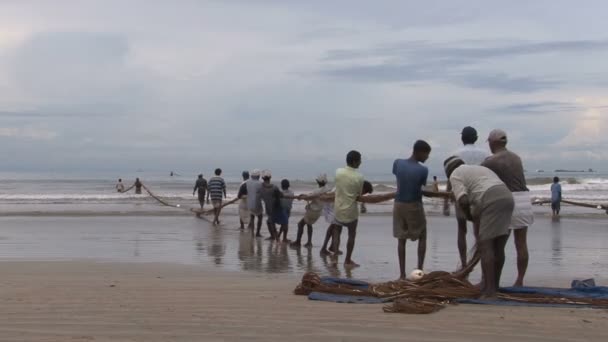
[194, 84]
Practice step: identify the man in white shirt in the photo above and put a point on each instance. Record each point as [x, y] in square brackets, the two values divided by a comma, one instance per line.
[470, 155]
[485, 200]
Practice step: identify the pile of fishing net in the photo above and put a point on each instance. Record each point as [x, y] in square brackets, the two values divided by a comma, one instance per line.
[433, 292]
[427, 295]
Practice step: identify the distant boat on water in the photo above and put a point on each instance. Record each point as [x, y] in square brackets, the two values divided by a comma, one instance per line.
[540, 171]
[570, 171]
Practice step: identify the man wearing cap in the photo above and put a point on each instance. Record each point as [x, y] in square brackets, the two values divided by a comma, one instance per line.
[508, 166]
[270, 195]
[470, 155]
[314, 209]
[254, 204]
[487, 201]
[349, 186]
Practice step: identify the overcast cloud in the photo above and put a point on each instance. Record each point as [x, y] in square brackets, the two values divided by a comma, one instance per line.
[191, 85]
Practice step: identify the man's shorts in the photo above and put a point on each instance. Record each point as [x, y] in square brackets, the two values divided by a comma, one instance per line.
[409, 220]
[523, 216]
[216, 204]
[244, 214]
[312, 216]
[556, 205]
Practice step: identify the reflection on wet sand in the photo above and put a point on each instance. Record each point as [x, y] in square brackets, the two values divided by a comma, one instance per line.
[567, 249]
[556, 242]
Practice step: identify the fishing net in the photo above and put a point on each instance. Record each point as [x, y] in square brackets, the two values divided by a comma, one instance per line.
[433, 292]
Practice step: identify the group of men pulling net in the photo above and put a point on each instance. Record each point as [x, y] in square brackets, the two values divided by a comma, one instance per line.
[426, 295]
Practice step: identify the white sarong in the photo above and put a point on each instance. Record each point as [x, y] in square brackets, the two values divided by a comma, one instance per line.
[522, 213]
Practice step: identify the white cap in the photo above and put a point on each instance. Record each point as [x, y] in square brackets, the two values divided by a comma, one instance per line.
[322, 178]
[266, 174]
[497, 135]
[255, 173]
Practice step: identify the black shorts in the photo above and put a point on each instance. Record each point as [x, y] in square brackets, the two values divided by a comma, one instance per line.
[555, 205]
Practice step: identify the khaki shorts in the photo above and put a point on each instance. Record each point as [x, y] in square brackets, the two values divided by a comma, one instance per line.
[409, 220]
[216, 204]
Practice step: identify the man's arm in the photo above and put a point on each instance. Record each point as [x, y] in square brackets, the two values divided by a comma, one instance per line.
[224, 189]
[463, 203]
[377, 198]
[242, 191]
[439, 194]
[195, 188]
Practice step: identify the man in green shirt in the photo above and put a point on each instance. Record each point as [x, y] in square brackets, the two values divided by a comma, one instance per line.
[349, 184]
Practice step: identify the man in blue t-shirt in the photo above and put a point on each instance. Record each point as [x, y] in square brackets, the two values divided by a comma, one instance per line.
[409, 221]
[556, 196]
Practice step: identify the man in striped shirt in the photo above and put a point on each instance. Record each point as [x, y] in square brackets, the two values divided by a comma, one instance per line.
[217, 191]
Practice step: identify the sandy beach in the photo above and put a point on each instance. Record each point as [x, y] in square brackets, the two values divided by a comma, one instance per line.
[86, 301]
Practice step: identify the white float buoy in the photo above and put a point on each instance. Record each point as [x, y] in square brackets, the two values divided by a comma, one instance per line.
[178, 205]
[416, 275]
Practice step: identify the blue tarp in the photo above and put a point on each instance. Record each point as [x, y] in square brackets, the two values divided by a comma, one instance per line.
[336, 298]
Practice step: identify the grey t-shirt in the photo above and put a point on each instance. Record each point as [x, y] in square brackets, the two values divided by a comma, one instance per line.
[267, 195]
[509, 168]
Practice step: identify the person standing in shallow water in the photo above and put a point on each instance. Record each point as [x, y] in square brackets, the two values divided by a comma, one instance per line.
[138, 185]
[349, 185]
[120, 187]
[217, 192]
[556, 196]
[201, 187]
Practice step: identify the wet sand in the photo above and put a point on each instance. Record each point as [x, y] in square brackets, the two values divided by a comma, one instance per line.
[559, 251]
[180, 279]
[87, 301]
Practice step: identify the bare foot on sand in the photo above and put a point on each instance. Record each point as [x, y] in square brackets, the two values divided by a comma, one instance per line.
[518, 283]
[351, 264]
[488, 297]
[324, 252]
[270, 239]
[295, 245]
[308, 245]
[258, 235]
[339, 252]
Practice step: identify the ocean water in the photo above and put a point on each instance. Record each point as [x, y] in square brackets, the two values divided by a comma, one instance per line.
[25, 193]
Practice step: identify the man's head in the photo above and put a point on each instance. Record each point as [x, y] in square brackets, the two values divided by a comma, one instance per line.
[555, 179]
[468, 135]
[218, 172]
[245, 175]
[353, 159]
[200, 176]
[497, 140]
[119, 180]
[285, 184]
[255, 174]
[422, 149]
[137, 179]
[321, 180]
[368, 188]
[266, 176]
[435, 178]
[451, 164]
